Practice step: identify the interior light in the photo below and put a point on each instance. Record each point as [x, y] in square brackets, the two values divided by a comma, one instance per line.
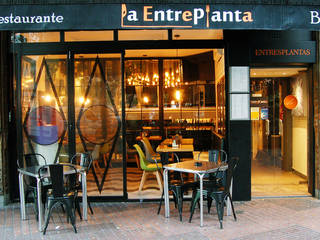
[178, 95]
[145, 99]
[47, 98]
[28, 80]
[81, 100]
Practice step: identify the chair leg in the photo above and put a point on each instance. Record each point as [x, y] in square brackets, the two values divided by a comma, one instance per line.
[179, 201]
[220, 207]
[35, 203]
[194, 201]
[234, 213]
[78, 207]
[62, 208]
[159, 180]
[90, 207]
[209, 202]
[160, 201]
[143, 179]
[48, 214]
[70, 212]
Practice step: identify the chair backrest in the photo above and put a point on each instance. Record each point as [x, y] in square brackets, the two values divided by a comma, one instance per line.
[83, 159]
[33, 159]
[63, 178]
[232, 164]
[215, 154]
[142, 157]
[148, 148]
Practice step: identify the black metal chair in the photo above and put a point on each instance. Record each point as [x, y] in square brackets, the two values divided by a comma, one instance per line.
[64, 178]
[220, 192]
[214, 179]
[178, 187]
[30, 160]
[85, 161]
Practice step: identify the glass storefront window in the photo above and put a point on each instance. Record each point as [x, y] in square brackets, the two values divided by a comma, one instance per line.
[189, 34]
[97, 88]
[129, 35]
[36, 37]
[78, 36]
[44, 105]
[142, 103]
[185, 82]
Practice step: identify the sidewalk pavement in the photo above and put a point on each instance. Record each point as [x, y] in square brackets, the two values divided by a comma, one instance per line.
[266, 219]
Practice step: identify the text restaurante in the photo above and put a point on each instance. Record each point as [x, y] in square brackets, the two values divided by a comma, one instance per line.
[15, 19]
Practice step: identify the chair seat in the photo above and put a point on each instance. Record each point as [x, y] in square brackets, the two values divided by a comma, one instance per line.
[153, 167]
[210, 184]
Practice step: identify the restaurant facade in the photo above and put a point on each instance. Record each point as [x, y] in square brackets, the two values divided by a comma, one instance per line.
[96, 77]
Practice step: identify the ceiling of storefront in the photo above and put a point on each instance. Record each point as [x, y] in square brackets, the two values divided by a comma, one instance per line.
[275, 72]
[164, 52]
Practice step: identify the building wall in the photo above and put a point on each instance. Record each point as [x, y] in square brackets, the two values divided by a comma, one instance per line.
[4, 91]
[316, 97]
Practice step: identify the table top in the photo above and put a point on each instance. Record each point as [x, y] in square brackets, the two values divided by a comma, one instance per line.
[185, 146]
[33, 171]
[191, 167]
[180, 148]
[184, 141]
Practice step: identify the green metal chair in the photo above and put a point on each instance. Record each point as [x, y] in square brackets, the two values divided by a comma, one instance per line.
[219, 192]
[148, 168]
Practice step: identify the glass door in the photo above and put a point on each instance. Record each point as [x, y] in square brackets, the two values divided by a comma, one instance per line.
[279, 128]
[98, 104]
[44, 105]
[71, 105]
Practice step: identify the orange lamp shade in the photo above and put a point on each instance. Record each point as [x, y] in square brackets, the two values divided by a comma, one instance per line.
[290, 102]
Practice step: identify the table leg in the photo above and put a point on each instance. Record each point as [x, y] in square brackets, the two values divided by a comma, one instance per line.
[84, 195]
[22, 197]
[40, 205]
[166, 193]
[201, 199]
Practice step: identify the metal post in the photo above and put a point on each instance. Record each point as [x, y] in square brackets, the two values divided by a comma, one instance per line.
[40, 206]
[22, 197]
[166, 193]
[84, 195]
[201, 199]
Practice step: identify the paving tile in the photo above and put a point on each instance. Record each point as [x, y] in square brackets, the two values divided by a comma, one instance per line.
[293, 233]
[265, 219]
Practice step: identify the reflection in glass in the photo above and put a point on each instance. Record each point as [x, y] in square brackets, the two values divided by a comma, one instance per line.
[44, 108]
[186, 86]
[97, 113]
